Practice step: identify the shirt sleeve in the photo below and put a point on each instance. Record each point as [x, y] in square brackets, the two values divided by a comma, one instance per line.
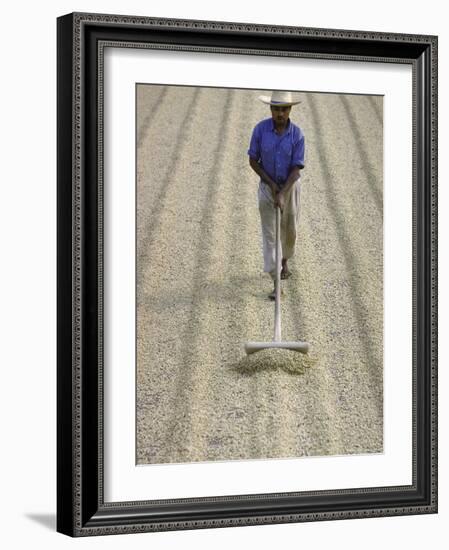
[254, 146]
[299, 149]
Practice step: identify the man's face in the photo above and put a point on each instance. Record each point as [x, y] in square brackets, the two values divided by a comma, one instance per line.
[280, 114]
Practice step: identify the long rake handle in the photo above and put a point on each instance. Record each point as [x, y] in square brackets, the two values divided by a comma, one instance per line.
[277, 304]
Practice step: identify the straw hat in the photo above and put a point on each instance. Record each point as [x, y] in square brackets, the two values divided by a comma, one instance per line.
[279, 98]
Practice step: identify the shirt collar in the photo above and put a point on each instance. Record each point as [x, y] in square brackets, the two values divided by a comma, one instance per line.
[287, 130]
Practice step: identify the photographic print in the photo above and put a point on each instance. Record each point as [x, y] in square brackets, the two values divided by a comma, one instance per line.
[213, 166]
[247, 274]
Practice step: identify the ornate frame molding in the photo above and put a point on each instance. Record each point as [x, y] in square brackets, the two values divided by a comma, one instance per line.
[81, 509]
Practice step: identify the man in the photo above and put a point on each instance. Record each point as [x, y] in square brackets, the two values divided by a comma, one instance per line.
[276, 154]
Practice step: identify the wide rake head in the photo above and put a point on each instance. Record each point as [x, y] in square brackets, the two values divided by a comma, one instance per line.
[252, 347]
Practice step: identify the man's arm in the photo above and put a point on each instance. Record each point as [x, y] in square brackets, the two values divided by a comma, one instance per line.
[296, 166]
[292, 177]
[264, 176]
[254, 156]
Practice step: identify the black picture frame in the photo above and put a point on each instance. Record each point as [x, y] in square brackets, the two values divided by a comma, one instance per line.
[81, 510]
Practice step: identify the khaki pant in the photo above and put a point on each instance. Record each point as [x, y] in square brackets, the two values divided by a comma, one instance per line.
[289, 225]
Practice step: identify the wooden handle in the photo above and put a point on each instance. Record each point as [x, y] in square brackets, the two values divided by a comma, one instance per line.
[277, 305]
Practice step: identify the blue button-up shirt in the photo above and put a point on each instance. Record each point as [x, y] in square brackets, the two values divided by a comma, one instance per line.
[277, 154]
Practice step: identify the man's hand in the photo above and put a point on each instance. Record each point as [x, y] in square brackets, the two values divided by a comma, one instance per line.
[274, 190]
[279, 200]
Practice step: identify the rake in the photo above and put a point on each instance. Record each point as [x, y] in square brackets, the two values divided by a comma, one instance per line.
[252, 347]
